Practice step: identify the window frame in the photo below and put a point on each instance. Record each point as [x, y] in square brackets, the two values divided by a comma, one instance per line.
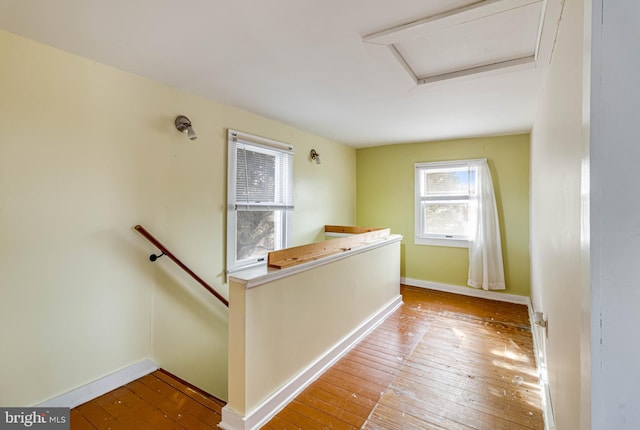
[234, 206]
[438, 239]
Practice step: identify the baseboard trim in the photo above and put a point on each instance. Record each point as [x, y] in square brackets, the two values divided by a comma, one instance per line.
[232, 420]
[94, 389]
[547, 410]
[468, 291]
[539, 351]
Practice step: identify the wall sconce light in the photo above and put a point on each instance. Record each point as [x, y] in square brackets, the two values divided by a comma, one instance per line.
[183, 123]
[315, 156]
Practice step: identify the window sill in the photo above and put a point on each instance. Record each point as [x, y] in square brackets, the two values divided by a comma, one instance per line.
[452, 243]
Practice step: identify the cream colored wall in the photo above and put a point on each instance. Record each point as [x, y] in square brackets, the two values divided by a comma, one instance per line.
[288, 324]
[385, 198]
[558, 149]
[86, 152]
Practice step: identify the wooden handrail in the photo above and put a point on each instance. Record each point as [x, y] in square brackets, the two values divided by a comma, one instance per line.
[173, 258]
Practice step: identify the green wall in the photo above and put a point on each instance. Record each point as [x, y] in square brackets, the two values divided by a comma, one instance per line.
[385, 198]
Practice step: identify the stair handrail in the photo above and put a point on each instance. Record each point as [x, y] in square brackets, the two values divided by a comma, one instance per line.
[165, 251]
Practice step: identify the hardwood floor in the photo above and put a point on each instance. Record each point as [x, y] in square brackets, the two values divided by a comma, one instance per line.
[155, 401]
[441, 361]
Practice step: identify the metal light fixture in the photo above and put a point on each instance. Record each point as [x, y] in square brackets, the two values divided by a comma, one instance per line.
[183, 123]
[315, 156]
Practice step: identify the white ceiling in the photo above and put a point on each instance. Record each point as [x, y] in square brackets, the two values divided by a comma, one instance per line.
[305, 63]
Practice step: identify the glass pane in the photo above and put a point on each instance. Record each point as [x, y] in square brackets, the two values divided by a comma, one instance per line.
[447, 218]
[256, 234]
[455, 181]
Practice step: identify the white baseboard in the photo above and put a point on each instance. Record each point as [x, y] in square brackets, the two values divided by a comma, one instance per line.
[232, 420]
[94, 389]
[468, 291]
[547, 410]
[538, 334]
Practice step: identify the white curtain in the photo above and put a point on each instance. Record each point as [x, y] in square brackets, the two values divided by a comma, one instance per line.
[486, 270]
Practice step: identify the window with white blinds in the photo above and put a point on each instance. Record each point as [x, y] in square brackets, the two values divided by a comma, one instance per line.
[260, 198]
[445, 194]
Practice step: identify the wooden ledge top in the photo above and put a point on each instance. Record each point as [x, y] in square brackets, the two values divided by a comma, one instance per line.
[357, 237]
[262, 274]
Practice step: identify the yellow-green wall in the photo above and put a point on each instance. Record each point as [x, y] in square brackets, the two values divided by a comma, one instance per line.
[86, 152]
[385, 198]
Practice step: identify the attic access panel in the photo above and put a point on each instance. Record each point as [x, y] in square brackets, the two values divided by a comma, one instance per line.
[487, 36]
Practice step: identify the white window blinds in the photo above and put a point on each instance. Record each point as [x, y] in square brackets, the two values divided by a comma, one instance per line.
[263, 173]
[443, 192]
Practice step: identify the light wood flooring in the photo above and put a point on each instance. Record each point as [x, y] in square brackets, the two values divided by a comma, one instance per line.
[441, 361]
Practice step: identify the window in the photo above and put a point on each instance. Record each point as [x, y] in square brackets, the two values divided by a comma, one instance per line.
[445, 194]
[455, 205]
[259, 198]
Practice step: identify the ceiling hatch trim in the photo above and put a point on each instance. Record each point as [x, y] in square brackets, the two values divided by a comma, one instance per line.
[422, 29]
